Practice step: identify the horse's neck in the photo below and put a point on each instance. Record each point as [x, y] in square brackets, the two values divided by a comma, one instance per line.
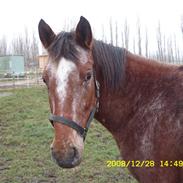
[117, 109]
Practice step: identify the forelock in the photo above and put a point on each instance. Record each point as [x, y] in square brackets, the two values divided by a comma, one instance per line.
[64, 45]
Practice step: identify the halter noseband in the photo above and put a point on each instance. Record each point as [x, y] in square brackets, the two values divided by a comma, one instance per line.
[82, 131]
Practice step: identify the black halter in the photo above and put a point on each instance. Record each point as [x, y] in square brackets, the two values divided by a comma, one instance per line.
[82, 131]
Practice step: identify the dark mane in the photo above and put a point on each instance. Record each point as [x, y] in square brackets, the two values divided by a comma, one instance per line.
[111, 62]
[109, 59]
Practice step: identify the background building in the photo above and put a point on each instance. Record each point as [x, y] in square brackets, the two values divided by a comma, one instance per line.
[12, 65]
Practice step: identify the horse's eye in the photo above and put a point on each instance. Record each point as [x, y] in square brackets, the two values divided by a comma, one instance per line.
[88, 76]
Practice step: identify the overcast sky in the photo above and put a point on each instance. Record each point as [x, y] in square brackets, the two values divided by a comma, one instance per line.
[17, 14]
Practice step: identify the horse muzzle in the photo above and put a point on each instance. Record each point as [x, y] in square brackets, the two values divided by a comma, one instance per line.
[69, 159]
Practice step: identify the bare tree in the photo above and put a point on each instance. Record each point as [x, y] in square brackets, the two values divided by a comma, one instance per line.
[176, 50]
[111, 32]
[17, 45]
[126, 34]
[139, 37]
[182, 24]
[134, 45]
[122, 39]
[103, 34]
[3, 46]
[159, 42]
[170, 50]
[34, 49]
[146, 44]
[26, 44]
[116, 33]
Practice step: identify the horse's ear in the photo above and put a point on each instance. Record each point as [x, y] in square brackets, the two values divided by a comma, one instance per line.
[46, 34]
[84, 33]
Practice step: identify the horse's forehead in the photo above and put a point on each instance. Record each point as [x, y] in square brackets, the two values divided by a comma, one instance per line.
[61, 68]
[65, 68]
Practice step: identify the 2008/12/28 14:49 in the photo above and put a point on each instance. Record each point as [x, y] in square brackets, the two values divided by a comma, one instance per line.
[145, 163]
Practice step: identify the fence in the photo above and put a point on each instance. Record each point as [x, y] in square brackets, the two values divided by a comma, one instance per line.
[27, 79]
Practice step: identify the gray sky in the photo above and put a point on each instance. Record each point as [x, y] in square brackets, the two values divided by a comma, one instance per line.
[17, 14]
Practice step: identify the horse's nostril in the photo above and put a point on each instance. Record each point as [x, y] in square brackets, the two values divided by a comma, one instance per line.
[73, 153]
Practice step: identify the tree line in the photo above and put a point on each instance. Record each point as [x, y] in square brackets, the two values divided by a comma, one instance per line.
[167, 49]
[25, 44]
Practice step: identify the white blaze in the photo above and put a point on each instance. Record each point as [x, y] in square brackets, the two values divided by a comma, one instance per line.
[65, 68]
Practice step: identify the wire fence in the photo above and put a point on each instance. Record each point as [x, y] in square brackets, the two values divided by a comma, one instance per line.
[28, 79]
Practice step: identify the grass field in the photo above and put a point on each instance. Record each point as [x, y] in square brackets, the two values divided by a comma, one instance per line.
[25, 138]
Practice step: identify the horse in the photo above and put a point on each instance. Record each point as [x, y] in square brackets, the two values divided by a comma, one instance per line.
[138, 100]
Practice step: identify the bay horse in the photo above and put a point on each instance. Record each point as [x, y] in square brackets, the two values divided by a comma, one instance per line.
[140, 101]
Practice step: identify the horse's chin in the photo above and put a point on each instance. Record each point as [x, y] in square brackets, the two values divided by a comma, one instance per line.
[65, 164]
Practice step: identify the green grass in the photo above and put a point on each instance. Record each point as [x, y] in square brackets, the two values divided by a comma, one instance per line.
[25, 138]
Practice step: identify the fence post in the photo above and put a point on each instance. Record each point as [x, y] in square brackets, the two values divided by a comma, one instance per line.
[13, 80]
